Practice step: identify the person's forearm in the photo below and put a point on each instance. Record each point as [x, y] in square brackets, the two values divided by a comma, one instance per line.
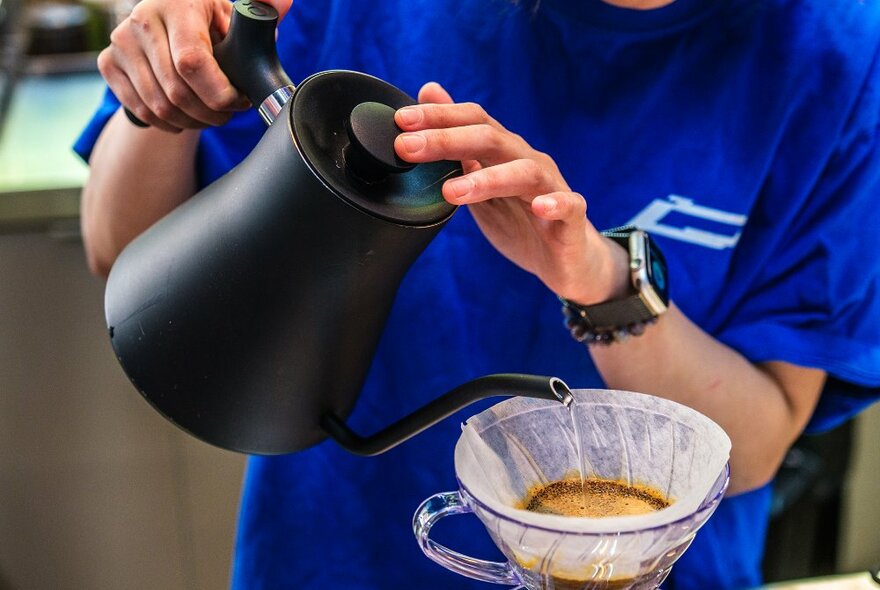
[529, 213]
[137, 176]
[762, 408]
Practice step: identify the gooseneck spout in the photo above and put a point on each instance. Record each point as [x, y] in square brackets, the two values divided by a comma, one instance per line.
[508, 384]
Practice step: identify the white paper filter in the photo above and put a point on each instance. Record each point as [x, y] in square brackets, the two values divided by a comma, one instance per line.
[639, 439]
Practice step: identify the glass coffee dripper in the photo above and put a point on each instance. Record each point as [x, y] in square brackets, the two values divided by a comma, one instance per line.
[636, 439]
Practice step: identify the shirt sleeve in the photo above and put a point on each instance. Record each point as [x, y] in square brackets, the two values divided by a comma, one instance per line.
[815, 301]
[86, 141]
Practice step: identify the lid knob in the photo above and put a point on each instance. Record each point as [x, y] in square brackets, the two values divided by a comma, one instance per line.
[372, 131]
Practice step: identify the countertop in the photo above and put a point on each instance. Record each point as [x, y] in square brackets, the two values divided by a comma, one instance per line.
[847, 582]
[40, 175]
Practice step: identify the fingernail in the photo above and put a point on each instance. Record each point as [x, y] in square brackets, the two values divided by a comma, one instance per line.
[460, 186]
[413, 142]
[549, 204]
[409, 115]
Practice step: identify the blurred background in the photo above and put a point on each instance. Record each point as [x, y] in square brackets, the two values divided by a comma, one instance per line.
[96, 489]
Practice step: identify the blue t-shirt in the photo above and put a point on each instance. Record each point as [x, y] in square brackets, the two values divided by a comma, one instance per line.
[741, 134]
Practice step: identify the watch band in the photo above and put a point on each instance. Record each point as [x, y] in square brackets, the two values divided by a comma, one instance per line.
[579, 325]
[616, 320]
[610, 315]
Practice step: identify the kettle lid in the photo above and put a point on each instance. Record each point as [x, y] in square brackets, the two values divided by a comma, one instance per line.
[343, 124]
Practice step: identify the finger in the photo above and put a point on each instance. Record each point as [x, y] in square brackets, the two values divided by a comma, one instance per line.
[524, 178]
[441, 116]
[220, 19]
[191, 58]
[177, 91]
[562, 206]
[484, 143]
[219, 29]
[125, 91]
[433, 92]
[282, 6]
[149, 89]
[469, 166]
[141, 46]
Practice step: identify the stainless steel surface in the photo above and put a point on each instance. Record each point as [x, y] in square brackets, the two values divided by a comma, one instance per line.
[274, 102]
[860, 581]
[562, 391]
[638, 245]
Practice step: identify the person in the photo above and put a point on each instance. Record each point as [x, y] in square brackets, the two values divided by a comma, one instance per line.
[742, 135]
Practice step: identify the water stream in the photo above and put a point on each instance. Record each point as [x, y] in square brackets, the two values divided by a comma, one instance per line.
[582, 463]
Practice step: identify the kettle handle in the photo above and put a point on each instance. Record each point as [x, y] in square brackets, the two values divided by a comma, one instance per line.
[249, 58]
[248, 55]
[504, 384]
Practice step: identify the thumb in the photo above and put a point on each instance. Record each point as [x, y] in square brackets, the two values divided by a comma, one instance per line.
[223, 11]
[282, 6]
[433, 92]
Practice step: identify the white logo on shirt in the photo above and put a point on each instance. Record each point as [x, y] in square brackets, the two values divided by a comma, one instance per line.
[651, 216]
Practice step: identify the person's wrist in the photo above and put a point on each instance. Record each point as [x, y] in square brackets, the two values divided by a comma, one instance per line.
[610, 278]
[647, 298]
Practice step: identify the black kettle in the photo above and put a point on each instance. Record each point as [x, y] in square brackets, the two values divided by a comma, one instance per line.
[249, 315]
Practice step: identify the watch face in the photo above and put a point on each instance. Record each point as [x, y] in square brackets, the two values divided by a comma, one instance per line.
[656, 268]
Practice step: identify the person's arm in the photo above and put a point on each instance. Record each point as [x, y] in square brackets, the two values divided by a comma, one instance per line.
[527, 211]
[160, 65]
[763, 408]
[137, 176]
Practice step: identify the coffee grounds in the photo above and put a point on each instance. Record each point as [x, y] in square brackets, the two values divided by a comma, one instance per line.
[593, 498]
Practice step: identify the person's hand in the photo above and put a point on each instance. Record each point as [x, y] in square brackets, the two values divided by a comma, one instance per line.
[517, 195]
[161, 66]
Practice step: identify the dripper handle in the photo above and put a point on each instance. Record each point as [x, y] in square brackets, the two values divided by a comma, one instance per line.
[447, 504]
[504, 384]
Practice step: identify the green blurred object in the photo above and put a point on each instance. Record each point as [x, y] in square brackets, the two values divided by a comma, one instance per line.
[99, 24]
[54, 27]
[40, 175]
[57, 27]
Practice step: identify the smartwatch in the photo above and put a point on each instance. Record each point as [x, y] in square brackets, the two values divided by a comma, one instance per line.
[616, 320]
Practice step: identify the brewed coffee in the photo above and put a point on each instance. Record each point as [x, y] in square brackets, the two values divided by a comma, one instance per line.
[640, 443]
[553, 582]
[595, 498]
